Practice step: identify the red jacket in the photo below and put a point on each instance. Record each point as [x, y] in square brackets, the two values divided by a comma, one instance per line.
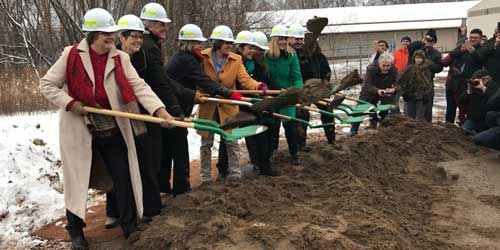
[401, 59]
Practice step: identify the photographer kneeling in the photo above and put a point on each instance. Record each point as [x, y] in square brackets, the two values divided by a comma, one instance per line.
[480, 88]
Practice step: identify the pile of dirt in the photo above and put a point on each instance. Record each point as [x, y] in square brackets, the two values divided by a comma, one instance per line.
[373, 192]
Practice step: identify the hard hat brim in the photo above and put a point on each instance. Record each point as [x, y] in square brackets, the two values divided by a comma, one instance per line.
[113, 28]
[202, 39]
[251, 43]
[298, 36]
[223, 39]
[163, 20]
[262, 47]
[280, 35]
[134, 29]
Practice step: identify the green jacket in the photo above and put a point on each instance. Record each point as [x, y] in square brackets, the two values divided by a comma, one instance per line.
[285, 73]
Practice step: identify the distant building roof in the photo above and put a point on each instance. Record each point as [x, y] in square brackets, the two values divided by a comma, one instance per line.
[376, 18]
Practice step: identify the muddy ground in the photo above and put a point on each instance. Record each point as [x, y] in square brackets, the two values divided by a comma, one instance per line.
[408, 185]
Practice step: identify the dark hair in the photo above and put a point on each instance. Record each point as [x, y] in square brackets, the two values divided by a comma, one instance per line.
[126, 33]
[477, 31]
[217, 44]
[384, 42]
[92, 36]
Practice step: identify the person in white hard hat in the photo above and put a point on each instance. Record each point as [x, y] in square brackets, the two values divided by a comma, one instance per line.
[184, 67]
[172, 93]
[225, 67]
[285, 72]
[94, 73]
[130, 35]
[248, 44]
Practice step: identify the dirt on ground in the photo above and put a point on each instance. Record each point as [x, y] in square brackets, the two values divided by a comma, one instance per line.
[399, 187]
[375, 192]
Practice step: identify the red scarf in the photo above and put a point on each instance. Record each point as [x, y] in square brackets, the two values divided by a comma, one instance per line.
[80, 87]
[197, 53]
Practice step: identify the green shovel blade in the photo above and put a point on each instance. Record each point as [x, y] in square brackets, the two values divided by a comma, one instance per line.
[353, 119]
[362, 108]
[244, 132]
[383, 107]
[210, 123]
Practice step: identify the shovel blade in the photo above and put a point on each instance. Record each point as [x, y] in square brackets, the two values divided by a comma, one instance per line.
[210, 123]
[361, 108]
[353, 119]
[245, 132]
[383, 107]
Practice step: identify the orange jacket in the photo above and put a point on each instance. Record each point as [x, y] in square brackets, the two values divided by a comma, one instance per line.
[232, 71]
[401, 59]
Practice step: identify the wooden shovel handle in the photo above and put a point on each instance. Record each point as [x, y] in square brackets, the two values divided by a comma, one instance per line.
[270, 92]
[139, 117]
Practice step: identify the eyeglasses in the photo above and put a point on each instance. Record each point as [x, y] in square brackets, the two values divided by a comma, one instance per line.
[137, 36]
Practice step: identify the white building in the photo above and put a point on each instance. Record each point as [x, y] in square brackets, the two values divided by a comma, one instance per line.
[351, 30]
[485, 15]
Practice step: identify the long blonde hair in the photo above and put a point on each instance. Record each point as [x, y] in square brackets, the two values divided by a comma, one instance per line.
[274, 49]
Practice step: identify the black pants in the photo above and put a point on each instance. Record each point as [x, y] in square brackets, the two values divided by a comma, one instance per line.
[302, 128]
[290, 134]
[121, 202]
[176, 150]
[149, 168]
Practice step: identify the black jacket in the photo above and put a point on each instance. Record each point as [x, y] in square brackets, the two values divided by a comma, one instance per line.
[478, 104]
[467, 62]
[168, 90]
[430, 54]
[185, 68]
[315, 66]
[375, 80]
[490, 58]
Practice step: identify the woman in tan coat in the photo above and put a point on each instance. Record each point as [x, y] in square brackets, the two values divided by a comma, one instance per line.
[94, 73]
[225, 67]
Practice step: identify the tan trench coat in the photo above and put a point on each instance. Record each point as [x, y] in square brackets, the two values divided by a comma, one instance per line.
[75, 139]
[232, 71]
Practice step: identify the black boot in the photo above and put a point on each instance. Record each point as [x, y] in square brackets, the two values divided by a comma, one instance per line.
[75, 230]
[267, 169]
[295, 160]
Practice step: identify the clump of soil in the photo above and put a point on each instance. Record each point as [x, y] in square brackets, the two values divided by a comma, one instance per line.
[373, 192]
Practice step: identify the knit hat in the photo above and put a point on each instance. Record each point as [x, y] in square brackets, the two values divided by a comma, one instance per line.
[406, 37]
[480, 73]
[432, 33]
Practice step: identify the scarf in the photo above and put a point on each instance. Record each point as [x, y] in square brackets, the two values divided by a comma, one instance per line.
[249, 66]
[80, 88]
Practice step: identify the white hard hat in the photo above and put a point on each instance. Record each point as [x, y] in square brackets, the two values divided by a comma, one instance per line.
[296, 30]
[279, 30]
[98, 20]
[130, 22]
[245, 37]
[222, 32]
[191, 32]
[154, 12]
[260, 40]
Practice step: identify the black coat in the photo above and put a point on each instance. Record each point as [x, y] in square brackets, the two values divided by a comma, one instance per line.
[467, 62]
[185, 68]
[477, 103]
[430, 54]
[315, 66]
[149, 65]
[375, 80]
[490, 58]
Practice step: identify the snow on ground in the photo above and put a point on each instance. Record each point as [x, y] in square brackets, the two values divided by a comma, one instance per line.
[30, 176]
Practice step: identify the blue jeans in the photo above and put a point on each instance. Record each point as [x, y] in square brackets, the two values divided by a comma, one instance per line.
[473, 127]
[489, 138]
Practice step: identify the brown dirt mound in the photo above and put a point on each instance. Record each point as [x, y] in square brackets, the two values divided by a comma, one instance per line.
[375, 192]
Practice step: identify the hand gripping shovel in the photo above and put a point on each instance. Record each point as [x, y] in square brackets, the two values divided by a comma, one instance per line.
[236, 133]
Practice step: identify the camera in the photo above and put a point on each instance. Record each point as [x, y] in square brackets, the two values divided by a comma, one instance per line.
[474, 82]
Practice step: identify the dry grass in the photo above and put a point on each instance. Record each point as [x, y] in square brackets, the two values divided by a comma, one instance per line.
[19, 92]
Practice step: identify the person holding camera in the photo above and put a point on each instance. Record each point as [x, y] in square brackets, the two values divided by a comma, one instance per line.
[463, 61]
[489, 55]
[379, 86]
[427, 45]
[480, 89]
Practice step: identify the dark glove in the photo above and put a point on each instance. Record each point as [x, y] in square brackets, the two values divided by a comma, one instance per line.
[263, 87]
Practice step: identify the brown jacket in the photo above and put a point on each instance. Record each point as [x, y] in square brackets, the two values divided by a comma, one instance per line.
[76, 140]
[232, 71]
